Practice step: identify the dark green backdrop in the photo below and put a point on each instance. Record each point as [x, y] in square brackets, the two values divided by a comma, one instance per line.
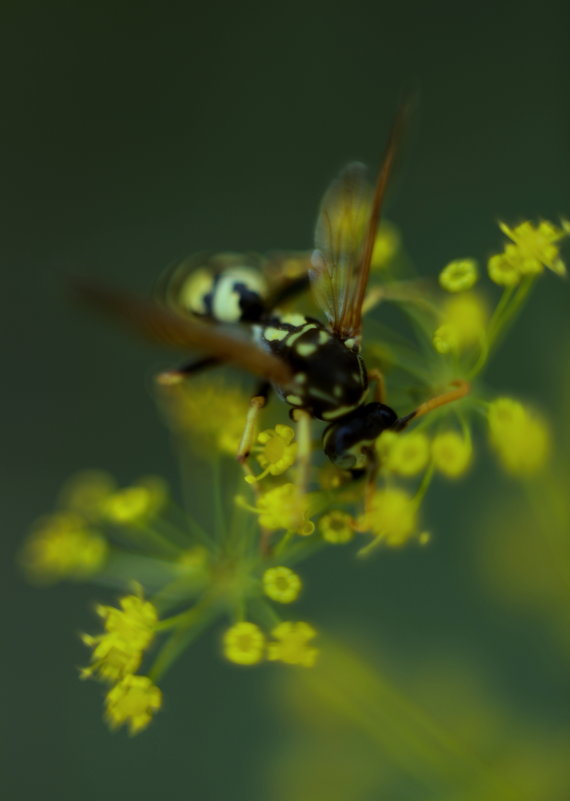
[136, 133]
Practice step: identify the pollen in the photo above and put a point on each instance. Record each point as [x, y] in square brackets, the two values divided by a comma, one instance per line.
[391, 517]
[62, 546]
[244, 644]
[292, 644]
[132, 702]
[275, 451]
[459, 275]
[336, 527]
[404, 454]
[281, 584]
[520, 438]
[285, 507]
[135, 504]
[451, 453]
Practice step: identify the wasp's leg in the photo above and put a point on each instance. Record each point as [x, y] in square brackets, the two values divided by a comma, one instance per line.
[169, 377]
[256, 404]
[380, 388]
[462, 389]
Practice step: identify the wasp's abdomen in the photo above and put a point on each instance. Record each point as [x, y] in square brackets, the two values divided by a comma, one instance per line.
[329, 376]
[224, 290]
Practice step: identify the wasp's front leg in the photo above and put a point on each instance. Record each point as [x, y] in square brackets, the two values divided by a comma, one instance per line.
[256, 404]
[304, 448]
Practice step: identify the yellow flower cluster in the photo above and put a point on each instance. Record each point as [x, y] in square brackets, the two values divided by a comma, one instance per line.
[62, 546]
[464, 321]
[459, 275]
[136, 504]
[132, 701]
[275, 451]
[520, 437]
[336, 527]
[392, 518]
[210, 411]
[403, 454]
[128, 633]
[533, 247]
[386, 245]
[116, 656]
[246, 644]
[451, 453]
[285, 507]
[281, 584]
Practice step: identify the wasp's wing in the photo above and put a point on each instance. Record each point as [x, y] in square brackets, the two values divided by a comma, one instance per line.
[168, 328]
[339, 234]
[344, 240]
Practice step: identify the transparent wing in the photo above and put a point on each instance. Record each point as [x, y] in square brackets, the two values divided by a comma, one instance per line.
[344, 240]
[168, 328]
[339, 235]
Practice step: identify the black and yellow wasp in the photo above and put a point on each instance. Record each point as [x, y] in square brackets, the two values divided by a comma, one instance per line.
[315, 367]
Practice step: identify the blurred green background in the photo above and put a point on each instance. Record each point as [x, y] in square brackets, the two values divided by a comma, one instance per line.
[137, 133]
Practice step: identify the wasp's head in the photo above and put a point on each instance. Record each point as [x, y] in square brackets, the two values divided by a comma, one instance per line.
[348, 441]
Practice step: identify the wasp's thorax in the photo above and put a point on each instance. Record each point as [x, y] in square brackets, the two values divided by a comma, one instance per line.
[348, 442]
[329, 374]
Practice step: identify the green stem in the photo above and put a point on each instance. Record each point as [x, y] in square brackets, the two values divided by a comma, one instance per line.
[188, 626]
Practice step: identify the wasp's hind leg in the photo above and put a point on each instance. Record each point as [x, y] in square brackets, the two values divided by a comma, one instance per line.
[462, 389]
[170, 377]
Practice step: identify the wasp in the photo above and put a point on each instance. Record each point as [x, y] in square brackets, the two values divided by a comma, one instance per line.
[314, 366]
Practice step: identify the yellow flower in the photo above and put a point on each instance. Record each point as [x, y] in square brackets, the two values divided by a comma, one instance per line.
[285, 507]
[459, 275]
[464, 323]
[451, 453]
[134, 622]
[292, 644]
[128, 633]
[536, 245]
[210, 411]
[281, 584]
[444, 339]
[520, 438]
[135, 504]
[86, 491]
[391, 518]
[404, 454]
[275, 452]
[336, 527]
[386, 245]
[112, 658]
[61, 546]
[133, 701]
[244, 644]
[504, 268]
